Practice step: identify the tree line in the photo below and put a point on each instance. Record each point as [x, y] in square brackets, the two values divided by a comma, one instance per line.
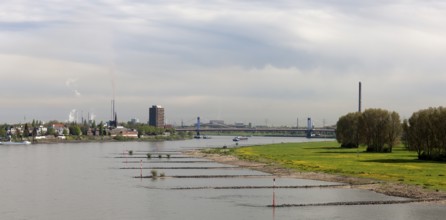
[26, 130]
[380, 130]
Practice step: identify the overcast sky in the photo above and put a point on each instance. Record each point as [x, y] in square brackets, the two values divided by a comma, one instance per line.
[264, 62]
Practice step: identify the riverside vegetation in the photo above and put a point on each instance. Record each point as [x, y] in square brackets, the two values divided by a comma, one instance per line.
[380, 130]
[401, 166]
[370, 148]
[86, 132]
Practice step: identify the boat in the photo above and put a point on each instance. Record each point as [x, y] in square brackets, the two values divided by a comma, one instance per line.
[15, 143]
[240, 138]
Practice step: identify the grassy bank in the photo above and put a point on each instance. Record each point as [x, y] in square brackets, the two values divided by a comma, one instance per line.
[400, 166]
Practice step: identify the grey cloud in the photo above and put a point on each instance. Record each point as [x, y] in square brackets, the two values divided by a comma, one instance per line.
[202, 57]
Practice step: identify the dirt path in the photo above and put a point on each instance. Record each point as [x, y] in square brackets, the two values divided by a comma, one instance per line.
[387, 188]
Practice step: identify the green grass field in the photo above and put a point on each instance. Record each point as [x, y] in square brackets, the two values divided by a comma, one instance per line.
[398, 166]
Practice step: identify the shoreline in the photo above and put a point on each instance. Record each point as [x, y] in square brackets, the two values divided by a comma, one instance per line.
[106, 139]
[383, 187]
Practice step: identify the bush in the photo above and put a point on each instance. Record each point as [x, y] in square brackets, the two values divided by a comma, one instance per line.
[130, 152]
[149, 155]
[154, 173]
[121, 138]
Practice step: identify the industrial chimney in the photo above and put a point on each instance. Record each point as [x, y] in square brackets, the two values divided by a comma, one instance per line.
[360, 97]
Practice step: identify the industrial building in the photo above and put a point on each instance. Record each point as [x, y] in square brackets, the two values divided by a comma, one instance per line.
[156, 116]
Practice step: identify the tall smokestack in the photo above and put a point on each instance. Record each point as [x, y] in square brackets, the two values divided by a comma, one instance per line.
[360, 97]
[115, 115]
[111, 109]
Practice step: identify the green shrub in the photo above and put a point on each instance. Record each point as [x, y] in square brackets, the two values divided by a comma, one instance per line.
[154, 173]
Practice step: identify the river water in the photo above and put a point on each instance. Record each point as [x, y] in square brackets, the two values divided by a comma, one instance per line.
[97, 181]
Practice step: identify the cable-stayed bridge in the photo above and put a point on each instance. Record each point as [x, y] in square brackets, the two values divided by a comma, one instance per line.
[309, 131]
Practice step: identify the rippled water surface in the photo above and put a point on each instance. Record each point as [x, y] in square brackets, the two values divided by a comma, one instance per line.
[96, 181]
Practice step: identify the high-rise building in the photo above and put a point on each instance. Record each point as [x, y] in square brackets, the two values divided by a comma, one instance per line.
[156, 116]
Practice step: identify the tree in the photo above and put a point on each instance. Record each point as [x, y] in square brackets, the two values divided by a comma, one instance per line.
[394, 130]
[425, 133]
[144, 129]
[26, 131]
[65, 132]
[50, 131]
[3, 130]
[101, 128]
[75, 130]
[377, 128]
[34, 133]
[84, 128]
[347, 130]
[18, 134]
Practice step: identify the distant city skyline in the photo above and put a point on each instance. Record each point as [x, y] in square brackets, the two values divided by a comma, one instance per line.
[259, 62]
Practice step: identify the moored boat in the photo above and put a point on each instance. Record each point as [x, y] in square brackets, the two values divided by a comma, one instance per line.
[240, 138]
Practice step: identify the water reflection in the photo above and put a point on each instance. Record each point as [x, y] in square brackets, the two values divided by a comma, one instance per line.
[274, 204]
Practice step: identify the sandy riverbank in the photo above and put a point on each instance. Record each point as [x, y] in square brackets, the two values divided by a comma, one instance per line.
[387, 188]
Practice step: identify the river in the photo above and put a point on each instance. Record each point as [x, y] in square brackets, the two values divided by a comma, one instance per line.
[97, 181]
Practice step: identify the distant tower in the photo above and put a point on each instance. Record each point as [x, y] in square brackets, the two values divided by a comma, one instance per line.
[114, 116]
[309, 128]
[156, 116]
[198, 127]
[309, 124]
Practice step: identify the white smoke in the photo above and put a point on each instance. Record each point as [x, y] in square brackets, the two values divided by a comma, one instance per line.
[92, 117]
[72, 85]
[77, 93]
[72, 117]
